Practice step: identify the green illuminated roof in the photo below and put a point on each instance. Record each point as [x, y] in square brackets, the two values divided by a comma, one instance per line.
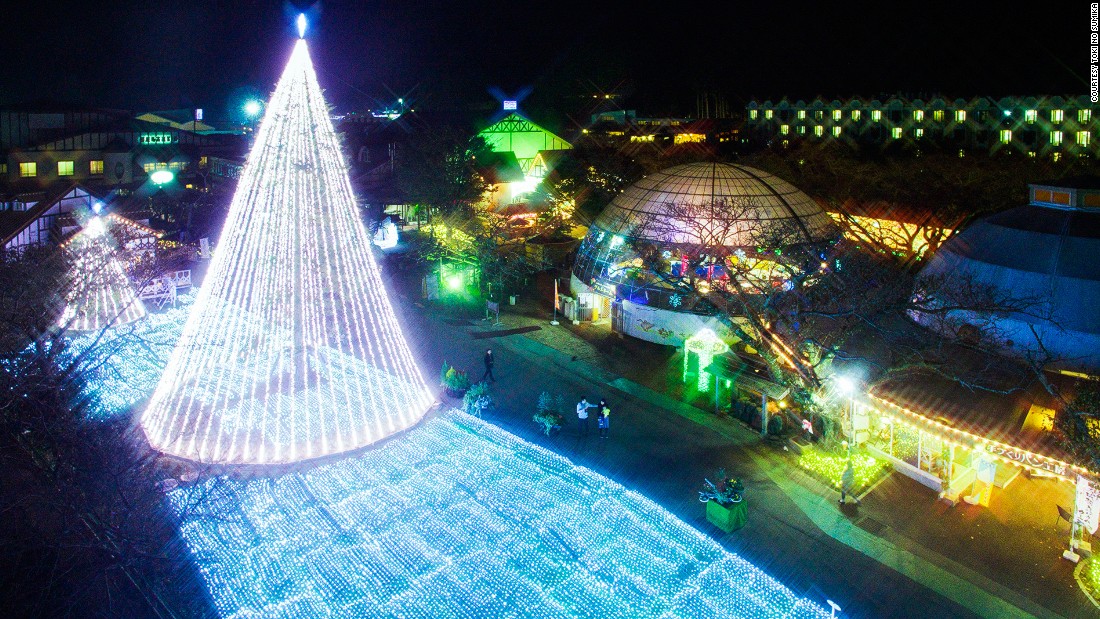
[521, 136]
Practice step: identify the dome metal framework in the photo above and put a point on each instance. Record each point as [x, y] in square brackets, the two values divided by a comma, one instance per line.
[686, 207]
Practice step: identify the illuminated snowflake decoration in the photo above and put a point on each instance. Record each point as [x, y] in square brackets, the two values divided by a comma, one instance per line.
[459, 518]
[675, 300]
[740, 253]
[293, 350]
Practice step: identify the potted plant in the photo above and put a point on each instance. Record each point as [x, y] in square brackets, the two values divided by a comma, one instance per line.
[725, 502]
[454, 382]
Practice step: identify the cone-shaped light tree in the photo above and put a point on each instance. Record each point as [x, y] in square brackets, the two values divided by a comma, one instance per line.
[99, 293]
[292, 350]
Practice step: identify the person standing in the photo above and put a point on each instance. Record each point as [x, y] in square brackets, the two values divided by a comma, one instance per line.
[582, 416]
[489, 361]
[603, 421]
[847, 483]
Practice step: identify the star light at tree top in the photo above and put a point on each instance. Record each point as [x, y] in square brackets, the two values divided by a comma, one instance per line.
[99, 294]
[292, 350]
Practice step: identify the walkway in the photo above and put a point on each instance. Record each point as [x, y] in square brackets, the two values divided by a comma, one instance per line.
[868, 567]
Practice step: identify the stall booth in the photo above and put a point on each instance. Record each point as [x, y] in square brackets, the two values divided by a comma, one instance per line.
[741, 385]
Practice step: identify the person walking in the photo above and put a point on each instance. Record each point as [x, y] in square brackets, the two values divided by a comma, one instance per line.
[582, 416]
[489, 361]
[603, 421]
[847, 483]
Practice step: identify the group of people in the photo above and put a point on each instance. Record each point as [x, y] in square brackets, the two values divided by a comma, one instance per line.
[603, 417]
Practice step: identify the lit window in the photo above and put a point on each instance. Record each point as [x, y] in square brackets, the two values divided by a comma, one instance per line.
[28, 169]
[802, 130]
[896, 132]
[801, 114]
[784, 129]
[960, 116]
[855, 114]
[836, 132]
[753, 114]
[937, 116]
[1006, 136]
[876, 115]
[1056, 137]
[148, 167]
[837, 114]
[64, 168]
[819, 130]
[95, 166]
[819, 114]
[1083, 116]
[1031, 115]
[1083, 138]
[919, 133]
[768, 114]
[203, 161]
[918, 115]
[3, 168]
[1057, 116]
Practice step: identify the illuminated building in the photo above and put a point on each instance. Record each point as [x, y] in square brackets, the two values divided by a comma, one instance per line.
[899, 230]
[292, 350]
[45, 150]
[1033, 126]
[517, 137]
[732, 204]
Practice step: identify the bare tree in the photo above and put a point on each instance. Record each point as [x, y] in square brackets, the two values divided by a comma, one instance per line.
[85, 530]
[807, 305]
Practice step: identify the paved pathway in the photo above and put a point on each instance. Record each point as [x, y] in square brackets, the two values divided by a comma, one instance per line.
[796, 530]
[665, 456]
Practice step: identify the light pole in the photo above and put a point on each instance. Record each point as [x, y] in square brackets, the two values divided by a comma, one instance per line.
[848, 387]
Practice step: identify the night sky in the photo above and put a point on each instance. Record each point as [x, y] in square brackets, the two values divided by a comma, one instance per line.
[167, 54]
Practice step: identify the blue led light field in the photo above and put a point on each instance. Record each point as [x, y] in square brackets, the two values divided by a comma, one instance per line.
[458, 518]
[122, 365]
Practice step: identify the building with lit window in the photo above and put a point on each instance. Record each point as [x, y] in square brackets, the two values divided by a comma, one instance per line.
[46, 218]
[518, 140]
[610, 280]
[46, 150]
[1033, 126]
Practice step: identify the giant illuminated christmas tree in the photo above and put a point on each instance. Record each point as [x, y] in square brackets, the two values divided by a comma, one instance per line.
[292, 350]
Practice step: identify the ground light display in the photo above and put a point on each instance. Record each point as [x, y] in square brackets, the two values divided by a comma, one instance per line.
[99, 294]
[292, 350]
[459, 518]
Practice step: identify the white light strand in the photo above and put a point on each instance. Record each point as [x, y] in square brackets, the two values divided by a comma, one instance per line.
[293, 350]
[99, 293]
[122, 366]
[461, 519]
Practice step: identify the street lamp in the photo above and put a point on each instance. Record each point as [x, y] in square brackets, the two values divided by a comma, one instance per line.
[847, 386]
[253, 108]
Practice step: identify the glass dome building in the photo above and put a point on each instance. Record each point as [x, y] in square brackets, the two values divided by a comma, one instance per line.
[1045, 253]
[637, 251]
